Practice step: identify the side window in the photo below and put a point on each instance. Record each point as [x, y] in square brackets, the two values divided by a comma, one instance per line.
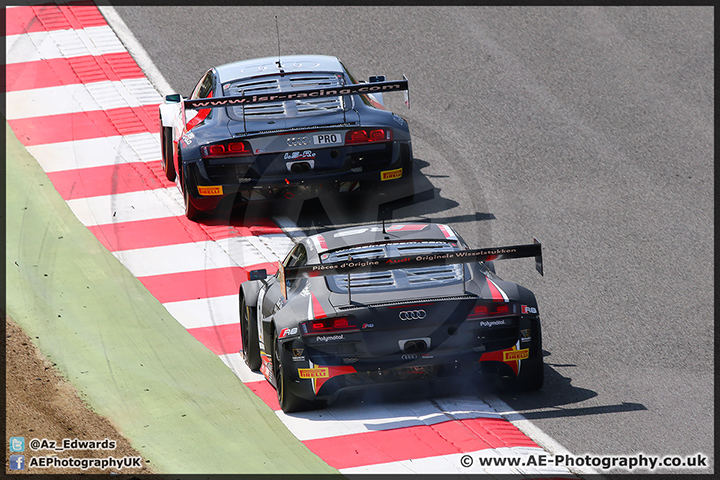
[204, 88]
[296, 258]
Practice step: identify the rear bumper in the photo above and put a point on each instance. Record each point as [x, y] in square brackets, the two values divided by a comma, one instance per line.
[321, 379]
[237, 180]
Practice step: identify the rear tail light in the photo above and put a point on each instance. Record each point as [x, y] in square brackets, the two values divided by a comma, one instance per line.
[490, 310]
[233, 148]
[329, 325]
[368, 135]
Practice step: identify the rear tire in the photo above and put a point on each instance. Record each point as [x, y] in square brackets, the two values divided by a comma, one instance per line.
[191, 212]
[167, 152]
[249, 336]
[289, 402]
[531, 376]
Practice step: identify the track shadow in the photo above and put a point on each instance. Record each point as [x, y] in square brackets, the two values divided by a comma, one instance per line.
[329, 211]
[552, 401]
[556, 396]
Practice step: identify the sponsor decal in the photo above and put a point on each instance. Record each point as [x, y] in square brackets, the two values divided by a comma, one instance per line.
[391, 174]
[462, 256]
[365, 326]
[526, 309]
[187, 138]
[298, 352]
[525, 335]
[494, 323]
[511, 355]
[410, 227]
[210, 191]
[304, 155]
[315, 372]
[330, 338]
[349, 360]
[398, 85]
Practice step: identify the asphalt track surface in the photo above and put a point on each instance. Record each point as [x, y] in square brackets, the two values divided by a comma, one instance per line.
[590, 128]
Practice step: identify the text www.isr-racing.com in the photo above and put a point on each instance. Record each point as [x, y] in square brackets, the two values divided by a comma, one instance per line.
[602, 462]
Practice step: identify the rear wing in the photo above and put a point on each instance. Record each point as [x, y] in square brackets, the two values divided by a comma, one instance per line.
[375, 87]
[413, 261]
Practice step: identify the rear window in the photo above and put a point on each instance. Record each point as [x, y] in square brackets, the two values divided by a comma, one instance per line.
[400, 279]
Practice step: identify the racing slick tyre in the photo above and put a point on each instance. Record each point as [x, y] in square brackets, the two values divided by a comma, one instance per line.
[531, 376]
[249, 335]
[167, 152]
[289, 402]
[191, 212]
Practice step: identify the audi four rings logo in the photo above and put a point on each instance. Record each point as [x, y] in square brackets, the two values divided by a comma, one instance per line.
[409, 356]
[297, 141]
[412, 315]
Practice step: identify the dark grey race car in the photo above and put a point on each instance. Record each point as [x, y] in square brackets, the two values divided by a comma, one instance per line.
[386, 303]
[283, 127]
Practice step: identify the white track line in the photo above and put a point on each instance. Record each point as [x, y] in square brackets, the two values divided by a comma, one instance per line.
[96, 152]
[179, 258]
[64, 99]
[30, 47]
[136, 50]
[128, 207]
[205, 312]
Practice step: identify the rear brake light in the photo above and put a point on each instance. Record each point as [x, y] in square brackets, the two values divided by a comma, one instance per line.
[329, 325]
[233, 148]
[489, 310]
[368, 135]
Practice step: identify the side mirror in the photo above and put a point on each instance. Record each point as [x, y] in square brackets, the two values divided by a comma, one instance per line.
[257, 274]
[174, 98]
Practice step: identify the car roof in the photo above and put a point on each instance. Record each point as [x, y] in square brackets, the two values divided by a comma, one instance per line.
[373, 234]
[268, 66]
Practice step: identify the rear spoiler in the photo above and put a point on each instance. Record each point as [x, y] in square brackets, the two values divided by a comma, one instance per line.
[375, 87]
[414, 261]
